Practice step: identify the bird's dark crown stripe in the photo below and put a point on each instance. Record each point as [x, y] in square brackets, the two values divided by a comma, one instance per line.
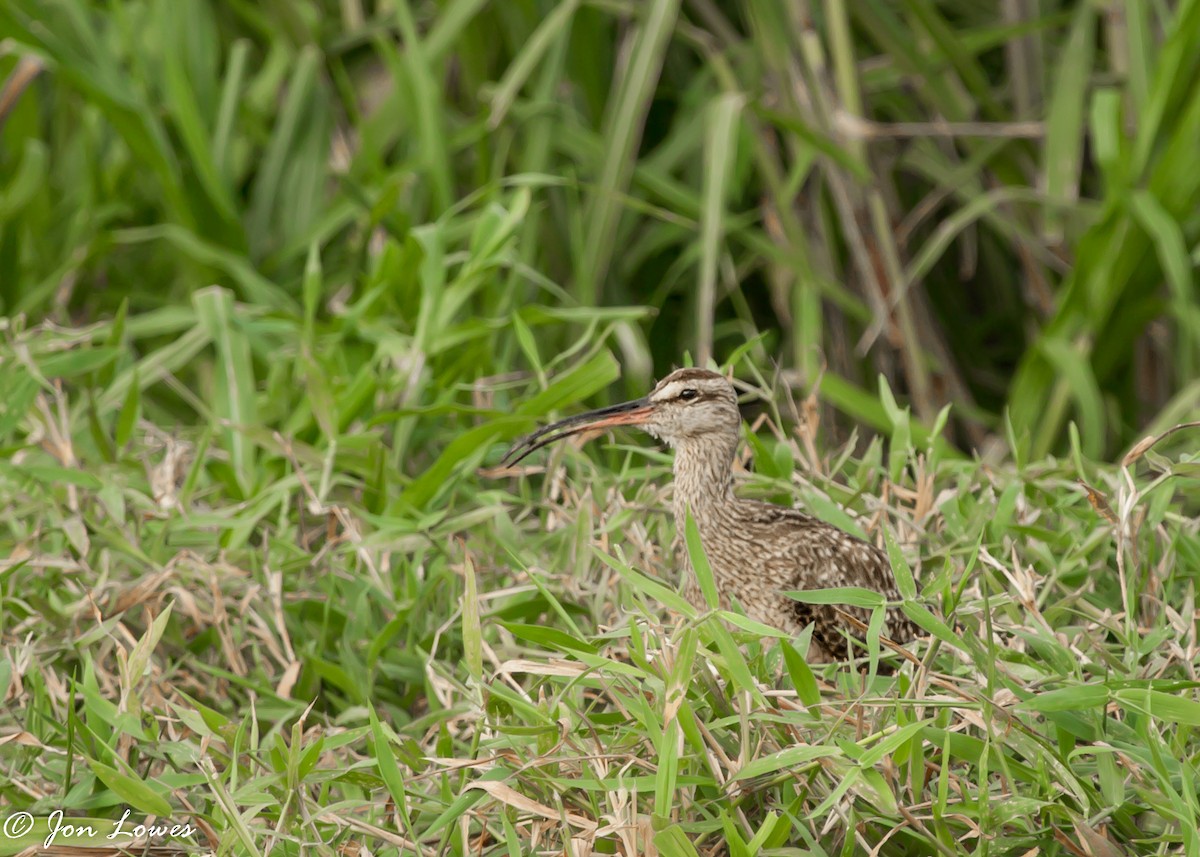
[690, 375]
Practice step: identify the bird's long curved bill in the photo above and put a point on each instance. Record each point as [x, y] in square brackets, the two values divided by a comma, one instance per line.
[631, 413]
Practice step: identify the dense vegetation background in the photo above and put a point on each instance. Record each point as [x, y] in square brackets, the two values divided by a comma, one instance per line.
[277, 278]
[991, 204]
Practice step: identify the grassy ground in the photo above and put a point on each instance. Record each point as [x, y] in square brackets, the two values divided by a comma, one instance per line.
[281, 653]
[279, 282]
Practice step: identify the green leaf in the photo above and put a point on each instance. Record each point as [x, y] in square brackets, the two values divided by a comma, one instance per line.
[1075, 698]
[890, 743]
[554, 26]
[50, 474]
[1107, 138]
[668, 768]
[267, 198]
[738, 847]
[1172, 708]
[427, 100]
[1072, 364]
[931, 624]
[803, 680]
[235, 400]
[27, 179]
[77, 362]
[788, 758]
[768, 833]
[1169, 243]
[1065, 117]
[840, 155]
[545, 635]
[731, 654]
[623, 123]
[699, 561]
[389, 770]
[139, 656]
[137, 793]
[903, 574]
[470, 446]
[471, 630]
[671, 841]
[720, 153]
[656, 591]
[580, 382]
[189, 117]
[854, 596]
[130, 411]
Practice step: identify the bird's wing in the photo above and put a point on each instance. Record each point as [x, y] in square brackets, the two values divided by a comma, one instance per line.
[811, 554]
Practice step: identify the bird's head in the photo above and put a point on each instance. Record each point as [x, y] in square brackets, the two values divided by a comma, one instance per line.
[687, 404]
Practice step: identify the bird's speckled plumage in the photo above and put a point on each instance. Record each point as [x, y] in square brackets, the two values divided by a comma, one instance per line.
[756, 550]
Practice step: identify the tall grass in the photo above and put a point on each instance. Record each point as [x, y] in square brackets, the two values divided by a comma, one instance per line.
[988, 204]
[278, 282]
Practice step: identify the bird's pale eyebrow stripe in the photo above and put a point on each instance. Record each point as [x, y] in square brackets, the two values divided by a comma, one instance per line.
[661, 393]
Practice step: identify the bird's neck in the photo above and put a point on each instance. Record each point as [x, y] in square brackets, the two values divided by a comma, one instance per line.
[703, 476]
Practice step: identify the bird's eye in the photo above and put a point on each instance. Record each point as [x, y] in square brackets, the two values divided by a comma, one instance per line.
[688, 394]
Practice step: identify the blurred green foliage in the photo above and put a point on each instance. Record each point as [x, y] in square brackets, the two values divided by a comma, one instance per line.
[993, 205]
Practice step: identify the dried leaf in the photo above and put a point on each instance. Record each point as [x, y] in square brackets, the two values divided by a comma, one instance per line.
[1099, 503]
[1095, 843]
[288, 680]
[1139, 448]
[511, 797]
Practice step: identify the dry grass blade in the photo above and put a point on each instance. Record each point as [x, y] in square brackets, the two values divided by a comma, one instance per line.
[1145, 444]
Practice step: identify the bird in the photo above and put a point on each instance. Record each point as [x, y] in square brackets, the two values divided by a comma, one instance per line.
[757, 551]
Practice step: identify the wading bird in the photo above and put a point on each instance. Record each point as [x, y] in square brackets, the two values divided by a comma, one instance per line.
[757, 551]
